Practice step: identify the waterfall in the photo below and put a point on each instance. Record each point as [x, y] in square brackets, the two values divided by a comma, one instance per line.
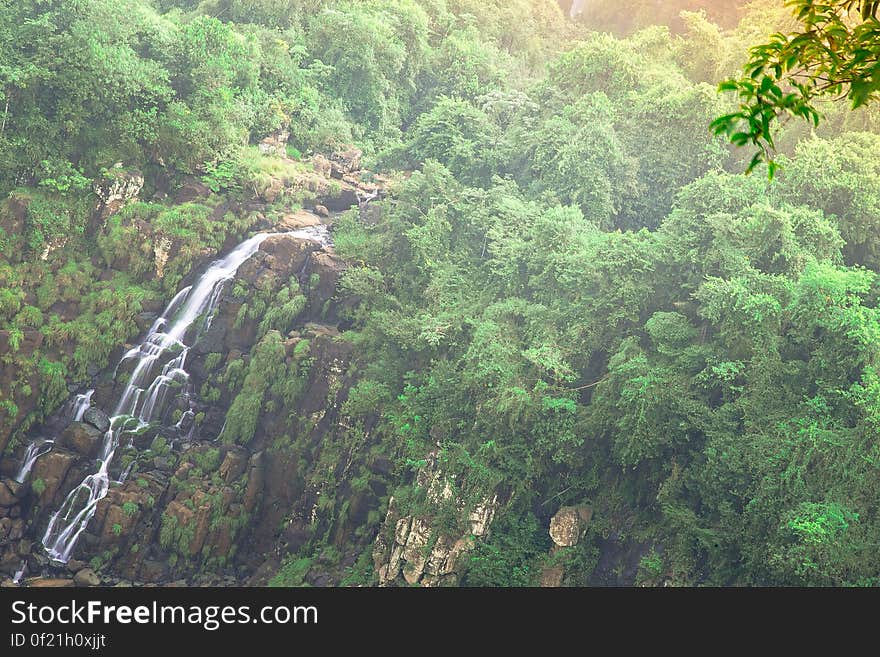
[143, 399]
[43, 446]
[81, 405]
[34, 451]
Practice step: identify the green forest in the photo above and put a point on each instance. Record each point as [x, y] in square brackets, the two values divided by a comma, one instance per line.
[573, 295]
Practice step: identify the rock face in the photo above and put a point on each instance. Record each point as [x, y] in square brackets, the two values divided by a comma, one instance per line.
[419, 553]
[30, 341]
[276, 143]
[10, 491]
[82, 438]
[117, 190]
[345, 162]
[52, 470]
[97, 418]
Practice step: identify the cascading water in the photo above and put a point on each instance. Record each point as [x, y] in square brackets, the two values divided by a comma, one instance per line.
[43, 446]
[144, 396]
[34, 451]
[82, 404]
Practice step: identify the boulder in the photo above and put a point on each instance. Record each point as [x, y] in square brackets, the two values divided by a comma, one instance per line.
[82, 438]
[297, 220]
[322, 165]
[86, 577]
[569, 524]
[52, 468]
[343, 196]
[286, 254]
[75, 565]
[97, 418]
[345, 162]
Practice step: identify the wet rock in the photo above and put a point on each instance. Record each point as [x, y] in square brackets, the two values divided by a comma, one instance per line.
[51, 469]
[36, 561]
[75, 565]
[342, 197]
[10, 491]
[145, 320]
[322, 211]
[144, 437]
[569, 524]
[86, 577]
[82, 438]
[97, 418]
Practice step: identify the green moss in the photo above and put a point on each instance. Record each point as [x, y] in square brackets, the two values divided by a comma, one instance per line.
[266, 366]
[292, 573]
[208, 460]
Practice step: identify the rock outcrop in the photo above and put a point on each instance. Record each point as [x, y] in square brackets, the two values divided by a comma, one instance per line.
[410, 548]
[569, 524]
[120, 187]
[567, 528]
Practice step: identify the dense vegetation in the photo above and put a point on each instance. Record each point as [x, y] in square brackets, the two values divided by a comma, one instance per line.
[574, 293]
